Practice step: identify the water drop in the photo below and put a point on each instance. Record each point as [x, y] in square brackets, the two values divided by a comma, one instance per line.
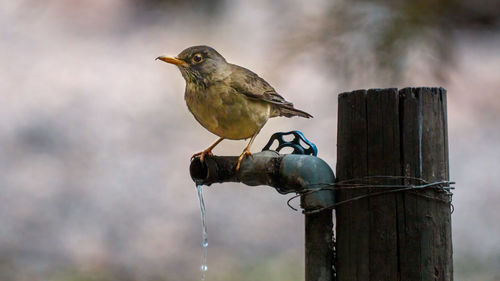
[204, 236]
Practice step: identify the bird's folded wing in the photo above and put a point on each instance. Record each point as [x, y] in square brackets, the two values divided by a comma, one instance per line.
[245, 82]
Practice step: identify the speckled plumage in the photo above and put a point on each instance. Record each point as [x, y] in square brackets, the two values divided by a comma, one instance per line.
[225, 113]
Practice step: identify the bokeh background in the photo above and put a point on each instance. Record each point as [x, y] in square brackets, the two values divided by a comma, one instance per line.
[95, 137]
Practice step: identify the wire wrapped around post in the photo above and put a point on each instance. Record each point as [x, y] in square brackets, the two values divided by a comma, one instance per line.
[393, 193]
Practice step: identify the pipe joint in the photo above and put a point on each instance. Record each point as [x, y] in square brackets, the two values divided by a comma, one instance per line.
[286, 173]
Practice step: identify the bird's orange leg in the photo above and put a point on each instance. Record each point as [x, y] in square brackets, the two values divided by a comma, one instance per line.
[245, 152]
[207, 151]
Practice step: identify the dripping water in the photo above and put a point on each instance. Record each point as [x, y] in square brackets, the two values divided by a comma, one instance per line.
[204, 240]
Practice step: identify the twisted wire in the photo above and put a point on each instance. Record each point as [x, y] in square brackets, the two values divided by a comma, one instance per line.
[443, 186]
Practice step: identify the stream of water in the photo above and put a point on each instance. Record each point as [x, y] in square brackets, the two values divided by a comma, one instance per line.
[204, 240]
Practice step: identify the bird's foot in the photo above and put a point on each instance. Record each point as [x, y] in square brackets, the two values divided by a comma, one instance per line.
[207, 151]
[245, 152]
[202, 154]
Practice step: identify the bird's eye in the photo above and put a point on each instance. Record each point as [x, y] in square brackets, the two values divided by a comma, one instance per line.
[197, 58]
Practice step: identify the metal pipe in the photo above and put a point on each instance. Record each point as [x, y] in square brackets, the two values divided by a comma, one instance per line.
[286, 173]
[319, 246]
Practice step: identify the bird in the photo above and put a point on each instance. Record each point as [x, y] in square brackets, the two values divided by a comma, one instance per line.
[230, 101]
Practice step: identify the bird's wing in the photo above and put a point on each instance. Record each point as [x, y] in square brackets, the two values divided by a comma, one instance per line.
[251, 85]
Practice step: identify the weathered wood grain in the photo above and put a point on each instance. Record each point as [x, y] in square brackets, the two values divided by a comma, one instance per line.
[395, 236]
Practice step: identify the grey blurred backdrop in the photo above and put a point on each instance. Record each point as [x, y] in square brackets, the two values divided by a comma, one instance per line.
[95, 137]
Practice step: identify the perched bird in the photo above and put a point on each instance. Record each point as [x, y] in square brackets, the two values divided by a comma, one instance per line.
[230, 101]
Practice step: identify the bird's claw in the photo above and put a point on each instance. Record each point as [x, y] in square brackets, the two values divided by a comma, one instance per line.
[202, 155]
[245, 152]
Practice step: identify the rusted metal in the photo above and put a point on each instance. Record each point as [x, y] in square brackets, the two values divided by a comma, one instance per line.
[289, 173]
[286, 173]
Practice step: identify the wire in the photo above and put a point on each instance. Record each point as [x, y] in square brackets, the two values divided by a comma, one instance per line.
[443, 186]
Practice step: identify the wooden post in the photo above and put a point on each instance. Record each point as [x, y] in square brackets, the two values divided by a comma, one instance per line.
[402, 235]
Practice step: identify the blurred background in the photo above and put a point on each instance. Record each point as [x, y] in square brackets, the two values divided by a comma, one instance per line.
[95, 137]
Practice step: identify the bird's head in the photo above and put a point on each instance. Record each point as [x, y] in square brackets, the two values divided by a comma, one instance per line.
[199, 64]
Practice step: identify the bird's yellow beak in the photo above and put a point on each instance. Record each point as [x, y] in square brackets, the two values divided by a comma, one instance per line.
[175, 61]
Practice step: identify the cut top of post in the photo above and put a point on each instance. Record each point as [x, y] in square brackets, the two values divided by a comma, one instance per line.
[389, 137]
[383, 132]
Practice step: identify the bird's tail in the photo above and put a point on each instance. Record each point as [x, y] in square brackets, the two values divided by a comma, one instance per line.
[290, 111]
